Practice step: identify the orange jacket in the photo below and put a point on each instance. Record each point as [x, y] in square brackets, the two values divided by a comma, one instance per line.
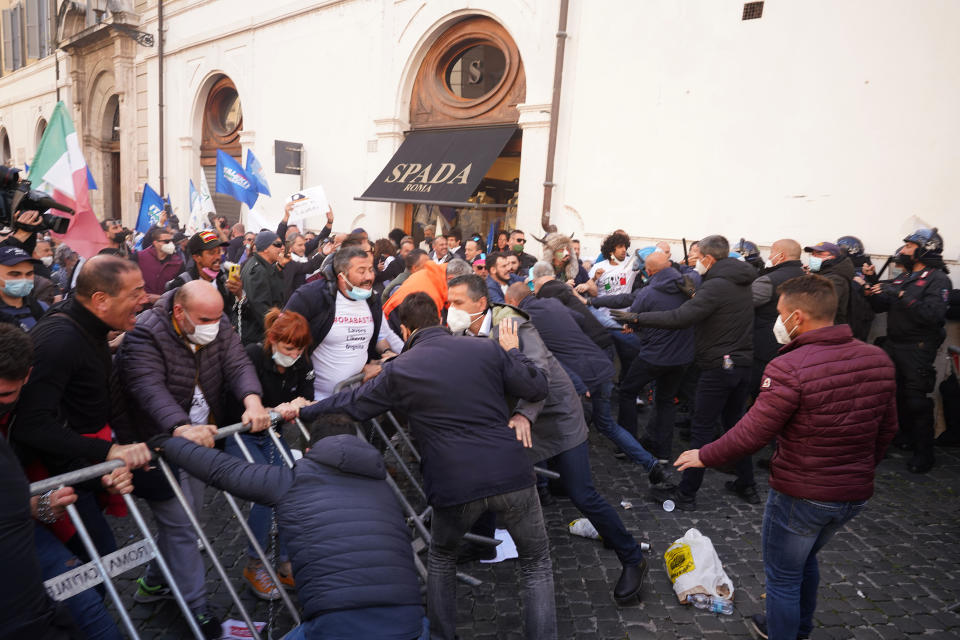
[431, 279]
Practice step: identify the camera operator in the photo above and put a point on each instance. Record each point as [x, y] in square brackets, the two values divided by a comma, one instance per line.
[23, 238]
[67, 405]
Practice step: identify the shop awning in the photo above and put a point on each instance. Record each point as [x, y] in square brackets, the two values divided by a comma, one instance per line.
[440, 167]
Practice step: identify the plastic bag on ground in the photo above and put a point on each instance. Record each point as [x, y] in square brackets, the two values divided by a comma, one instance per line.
[583, 527]
[694, 567]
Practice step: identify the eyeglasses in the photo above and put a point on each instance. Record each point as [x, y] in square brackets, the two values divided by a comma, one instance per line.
[278, 244]
[521, 240]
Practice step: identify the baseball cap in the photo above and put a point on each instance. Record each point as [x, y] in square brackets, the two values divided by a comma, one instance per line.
[203, 240]
[265, 239]
[10, 256]
[830, 247]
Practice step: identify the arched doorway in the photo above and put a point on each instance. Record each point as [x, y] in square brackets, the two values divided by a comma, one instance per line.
[222, 124]
[41, 127]
[110, 145]
[472, 76]
[6, 158]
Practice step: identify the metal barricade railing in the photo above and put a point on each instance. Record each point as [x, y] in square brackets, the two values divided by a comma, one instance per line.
[418, 519]
[105, 568]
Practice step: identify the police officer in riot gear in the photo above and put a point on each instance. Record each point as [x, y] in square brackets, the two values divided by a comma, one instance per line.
[858, 255]
[916, 306]
[750, 253]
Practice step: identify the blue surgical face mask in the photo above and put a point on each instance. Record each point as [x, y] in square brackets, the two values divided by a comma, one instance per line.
[815, 263]
[357, 293]
[18, 288]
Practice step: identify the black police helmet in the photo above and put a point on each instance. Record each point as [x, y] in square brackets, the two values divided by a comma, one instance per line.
[747, 249]
[852, 244]
[929, 242]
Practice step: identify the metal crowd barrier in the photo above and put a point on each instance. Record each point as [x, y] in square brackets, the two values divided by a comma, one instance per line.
[104, 569]
[417, 518]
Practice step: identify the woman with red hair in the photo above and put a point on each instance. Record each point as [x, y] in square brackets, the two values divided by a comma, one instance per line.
[286, 377]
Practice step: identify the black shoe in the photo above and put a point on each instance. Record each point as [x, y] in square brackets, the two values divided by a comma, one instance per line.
[630, 583]
[209, 624]
[656, 475]
[920, 463]
[748, 493]
[681, 501]
[546, 498]
[472, 552]
[758, 627]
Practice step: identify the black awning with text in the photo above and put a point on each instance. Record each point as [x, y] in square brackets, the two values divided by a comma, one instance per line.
[439, 166]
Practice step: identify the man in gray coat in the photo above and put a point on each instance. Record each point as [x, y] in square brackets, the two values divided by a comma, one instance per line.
[176, 367]
[555, 425]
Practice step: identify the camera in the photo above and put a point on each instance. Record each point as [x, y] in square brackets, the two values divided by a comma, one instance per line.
[16, 196]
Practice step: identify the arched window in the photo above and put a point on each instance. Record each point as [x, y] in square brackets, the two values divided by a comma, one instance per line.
[222, 124]
[5, 155]
[41, 127]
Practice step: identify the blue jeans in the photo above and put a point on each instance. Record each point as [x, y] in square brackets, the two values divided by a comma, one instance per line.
[519, 511]
[86, 608]
[721, 394]
[260, 519]
[794, 530]
[573, 465]
[605, 424]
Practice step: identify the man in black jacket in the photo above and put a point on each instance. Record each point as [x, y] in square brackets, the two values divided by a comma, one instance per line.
[916, 304]
[67, 407]
[830, 261]
[472, 461]
[262, 286]
[784, 265]
[206, 250]
[722, 316]
[559, 431]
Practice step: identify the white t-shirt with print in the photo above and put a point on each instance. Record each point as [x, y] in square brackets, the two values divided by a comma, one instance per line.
[616, 279]
[343, 351]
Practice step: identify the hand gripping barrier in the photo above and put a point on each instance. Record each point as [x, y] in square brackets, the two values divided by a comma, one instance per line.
[418, 519]
[104, 569]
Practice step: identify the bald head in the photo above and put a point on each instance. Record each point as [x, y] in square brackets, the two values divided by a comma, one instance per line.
[664, 246]
[790, 249]
[201, 301]
[516, 293]
[656, 262]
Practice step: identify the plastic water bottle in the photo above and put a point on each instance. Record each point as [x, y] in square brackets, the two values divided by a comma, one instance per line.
[711, 603]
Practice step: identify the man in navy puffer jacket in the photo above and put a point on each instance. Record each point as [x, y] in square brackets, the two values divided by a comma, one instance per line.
[347, 539]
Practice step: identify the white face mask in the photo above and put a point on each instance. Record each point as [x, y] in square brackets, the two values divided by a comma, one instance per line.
[459, 320]
[769, 264]
[780, 330]
[700, 268]
[202, 333]
[47, 260]
[284, 360]
[168, 248]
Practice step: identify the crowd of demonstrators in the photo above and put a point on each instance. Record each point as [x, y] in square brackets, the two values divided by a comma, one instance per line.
[167, 337]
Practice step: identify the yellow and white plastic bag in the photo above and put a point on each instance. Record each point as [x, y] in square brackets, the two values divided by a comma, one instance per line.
[694, 567]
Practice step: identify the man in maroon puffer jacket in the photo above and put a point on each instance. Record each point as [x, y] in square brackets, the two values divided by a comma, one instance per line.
[829, 400]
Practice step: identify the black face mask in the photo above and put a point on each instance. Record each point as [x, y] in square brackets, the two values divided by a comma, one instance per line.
[905, 261]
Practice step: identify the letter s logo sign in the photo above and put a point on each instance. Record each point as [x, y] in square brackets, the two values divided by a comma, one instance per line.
[475, 72]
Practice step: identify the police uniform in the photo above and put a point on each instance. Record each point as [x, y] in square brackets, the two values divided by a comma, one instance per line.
[916, 306]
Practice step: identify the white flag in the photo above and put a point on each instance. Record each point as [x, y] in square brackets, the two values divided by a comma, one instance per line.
[206, 202]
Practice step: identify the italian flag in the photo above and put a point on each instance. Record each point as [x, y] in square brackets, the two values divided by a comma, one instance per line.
[59, 169]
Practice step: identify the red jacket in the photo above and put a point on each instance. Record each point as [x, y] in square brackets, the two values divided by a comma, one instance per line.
[830, 401]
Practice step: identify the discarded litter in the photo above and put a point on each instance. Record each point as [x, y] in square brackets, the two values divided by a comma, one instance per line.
[583, 527]
[626, 504]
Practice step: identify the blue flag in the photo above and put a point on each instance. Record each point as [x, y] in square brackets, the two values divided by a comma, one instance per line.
[233, 181]
[90, 182]
[151, 208]
[492, 236]
[255, 171]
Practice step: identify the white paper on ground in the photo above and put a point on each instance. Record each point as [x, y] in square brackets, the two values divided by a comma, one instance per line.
[237, 629]
[506, 550]
[309, 202]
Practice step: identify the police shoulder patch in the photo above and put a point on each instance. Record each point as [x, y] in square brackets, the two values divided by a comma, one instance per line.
[766, 383]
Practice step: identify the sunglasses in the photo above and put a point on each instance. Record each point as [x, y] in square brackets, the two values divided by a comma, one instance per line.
[521, 240]
[278, 244]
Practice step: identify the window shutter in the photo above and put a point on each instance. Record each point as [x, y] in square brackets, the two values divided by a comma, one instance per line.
[46, 28]
[33, 29]
[7, 40]
[16, 26]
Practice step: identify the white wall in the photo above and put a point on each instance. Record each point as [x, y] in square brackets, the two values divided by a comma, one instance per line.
[820, 119]
[26, 96]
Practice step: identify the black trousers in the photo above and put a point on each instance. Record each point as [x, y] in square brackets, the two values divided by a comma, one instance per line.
[916, 378]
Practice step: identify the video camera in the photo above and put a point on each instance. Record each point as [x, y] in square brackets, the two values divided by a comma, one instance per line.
[16, 196]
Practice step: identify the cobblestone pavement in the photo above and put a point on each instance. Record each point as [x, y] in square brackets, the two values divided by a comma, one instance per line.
[893, 572]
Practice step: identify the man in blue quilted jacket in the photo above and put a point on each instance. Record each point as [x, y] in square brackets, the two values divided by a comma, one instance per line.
[177, 367]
